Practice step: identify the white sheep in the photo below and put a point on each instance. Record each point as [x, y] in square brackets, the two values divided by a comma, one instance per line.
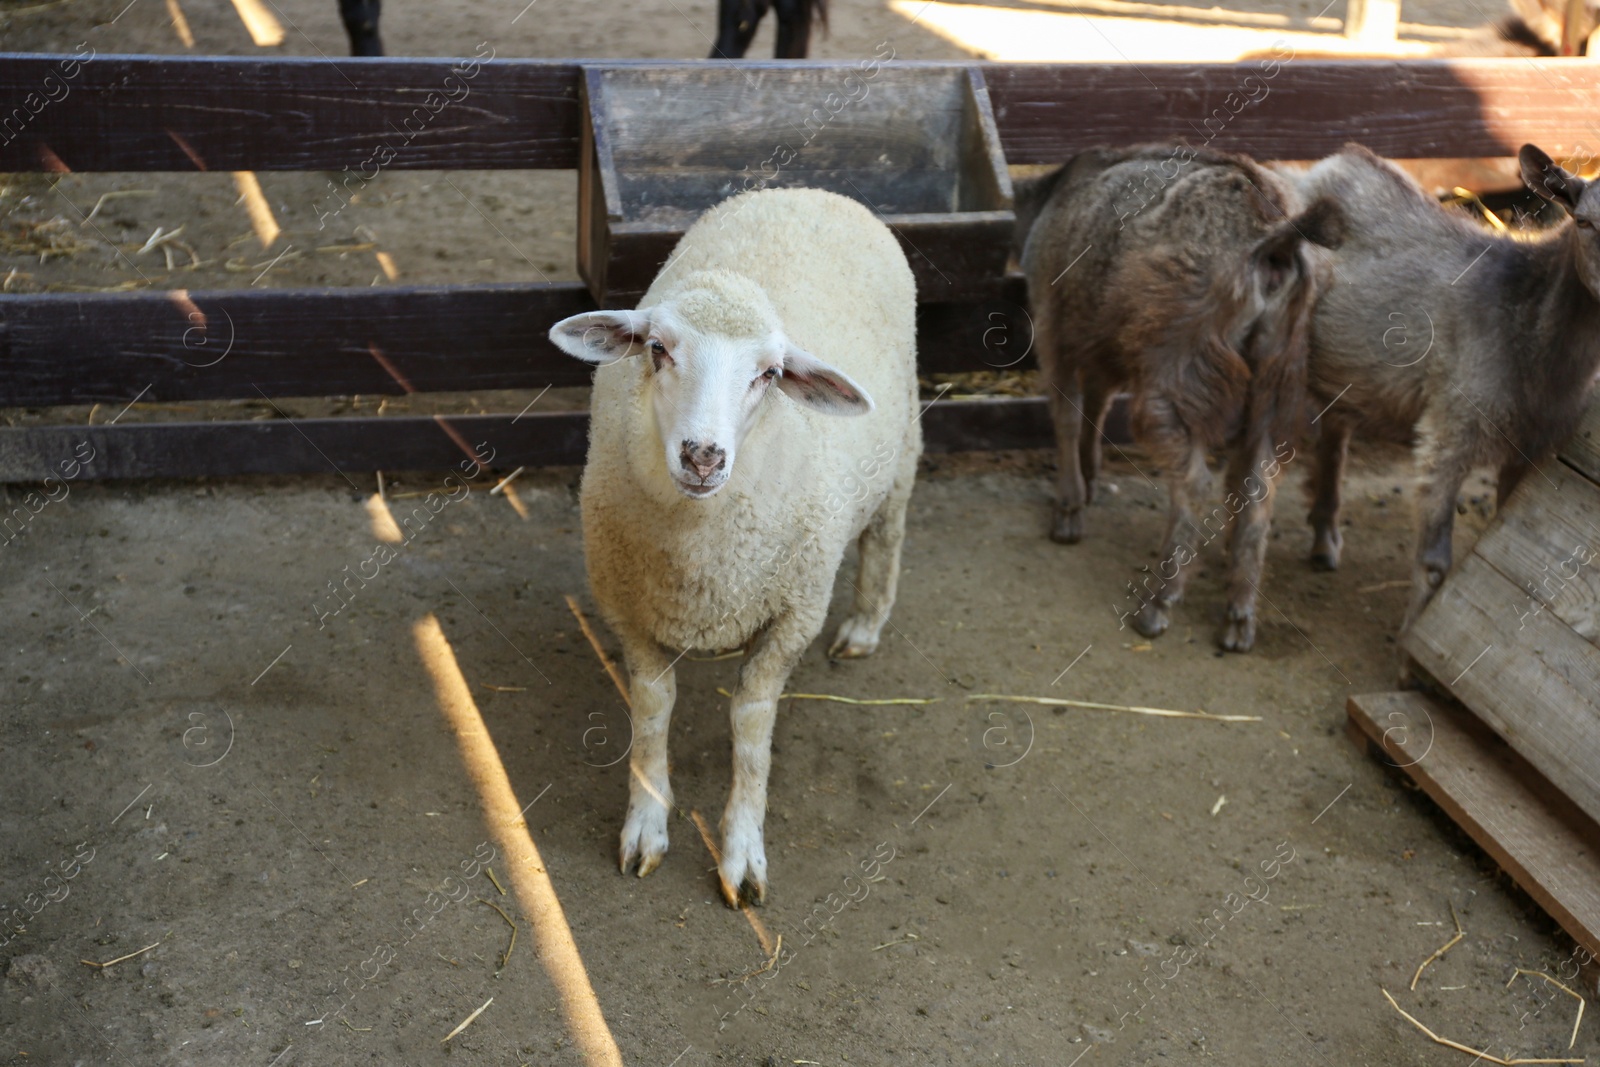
[778, 311]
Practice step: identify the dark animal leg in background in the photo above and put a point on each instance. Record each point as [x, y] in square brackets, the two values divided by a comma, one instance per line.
[737, 21]
[361, 23]
[794, 28]
[1327, 540]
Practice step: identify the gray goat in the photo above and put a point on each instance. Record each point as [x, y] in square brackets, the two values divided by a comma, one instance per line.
[1181, 275]
[1479, 346]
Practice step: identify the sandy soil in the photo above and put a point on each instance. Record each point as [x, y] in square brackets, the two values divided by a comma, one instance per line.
[284, 809]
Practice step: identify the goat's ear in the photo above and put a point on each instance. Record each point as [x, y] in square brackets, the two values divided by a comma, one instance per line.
[1323, 223]
[1547, 179]
[602, 336]
[817, 385]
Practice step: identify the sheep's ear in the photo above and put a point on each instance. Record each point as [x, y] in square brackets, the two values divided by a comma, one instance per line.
[602, 336]
[818, 385]
[1547, 179]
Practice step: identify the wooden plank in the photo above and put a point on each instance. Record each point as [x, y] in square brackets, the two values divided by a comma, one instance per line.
[358, 445]
[1582, 450]
[111, 347]
[136, 113]
[1305, 109]
[186, 113]
[1530, 677]
[1546, 540]
[60, 349]
[1535, 834]
[300, 446]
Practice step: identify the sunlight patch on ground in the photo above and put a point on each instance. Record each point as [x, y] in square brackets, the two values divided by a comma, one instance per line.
[1013, 35]
[558, 951]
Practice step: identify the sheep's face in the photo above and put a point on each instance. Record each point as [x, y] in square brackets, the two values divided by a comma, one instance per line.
[1580, 199]
[713, 358]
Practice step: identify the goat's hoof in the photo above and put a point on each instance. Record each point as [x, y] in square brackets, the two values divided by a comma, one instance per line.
[1326, 547]
[1067, 528]
[857, 637]
[1238, 633]
[644, 838]
[1089, 487]
[1152, 620]
[743, 870]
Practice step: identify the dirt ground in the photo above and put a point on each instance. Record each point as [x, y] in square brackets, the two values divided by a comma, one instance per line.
[284, 803]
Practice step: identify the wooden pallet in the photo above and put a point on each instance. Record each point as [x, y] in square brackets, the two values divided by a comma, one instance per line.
[1514, 631]
[1535, 833]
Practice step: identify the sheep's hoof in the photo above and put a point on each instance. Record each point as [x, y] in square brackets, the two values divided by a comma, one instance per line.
[644, 838]
[743, 870]
[1068, 526]
[1325, 550]
[857, 637]
[1152, 620]
[1239, 632]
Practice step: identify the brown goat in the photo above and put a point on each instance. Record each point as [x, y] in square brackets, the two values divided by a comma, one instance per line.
[1180, 275]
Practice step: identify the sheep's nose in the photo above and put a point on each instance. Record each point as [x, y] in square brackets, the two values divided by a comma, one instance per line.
[704, 459]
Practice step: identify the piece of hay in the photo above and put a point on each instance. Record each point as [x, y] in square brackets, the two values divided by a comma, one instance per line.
[119, 959]
[1458, 1046]
[846, 700]
[490, 872]
[772, 961]
[1165, 713]
[1446, 947]
[1578, 997]
[509, 923]
[716, 858]
[718, 658]
[468, 1020]
[594, 643]
[902, 941]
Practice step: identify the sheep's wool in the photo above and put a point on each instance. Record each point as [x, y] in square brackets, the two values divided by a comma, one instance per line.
[709, 574]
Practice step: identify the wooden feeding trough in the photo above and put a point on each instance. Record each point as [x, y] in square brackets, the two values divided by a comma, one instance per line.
[918, 145]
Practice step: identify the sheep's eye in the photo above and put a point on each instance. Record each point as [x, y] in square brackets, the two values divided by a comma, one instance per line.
[1583, 224]
[657, 348]
[770, 373]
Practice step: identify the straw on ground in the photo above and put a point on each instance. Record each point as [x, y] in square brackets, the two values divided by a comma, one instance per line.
[1576, 996]
[1164, 713]
[1488, 1057]
[1442, 949]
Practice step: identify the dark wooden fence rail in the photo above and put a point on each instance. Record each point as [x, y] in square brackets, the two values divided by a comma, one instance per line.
[133, 113]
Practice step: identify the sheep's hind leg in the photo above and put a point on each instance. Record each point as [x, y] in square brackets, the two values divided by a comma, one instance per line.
[652, 689]
[879, 573]
[743, 868]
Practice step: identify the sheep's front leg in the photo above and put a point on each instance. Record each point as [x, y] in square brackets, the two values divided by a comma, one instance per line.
[1186, 481]
[652, 689]
[1327, 541]
[1097, 393]
[879, 573]
[1064, 392]
[755, 708]
[1252, 490]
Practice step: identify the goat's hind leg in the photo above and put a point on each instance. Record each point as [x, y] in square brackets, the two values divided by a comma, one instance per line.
[652, 690]
[1327, 542]
[1096, 403]
[1250, 493]
[878, 575]
[743, 868]
[1186, 480]
[1445, 463]
[1063, 382]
